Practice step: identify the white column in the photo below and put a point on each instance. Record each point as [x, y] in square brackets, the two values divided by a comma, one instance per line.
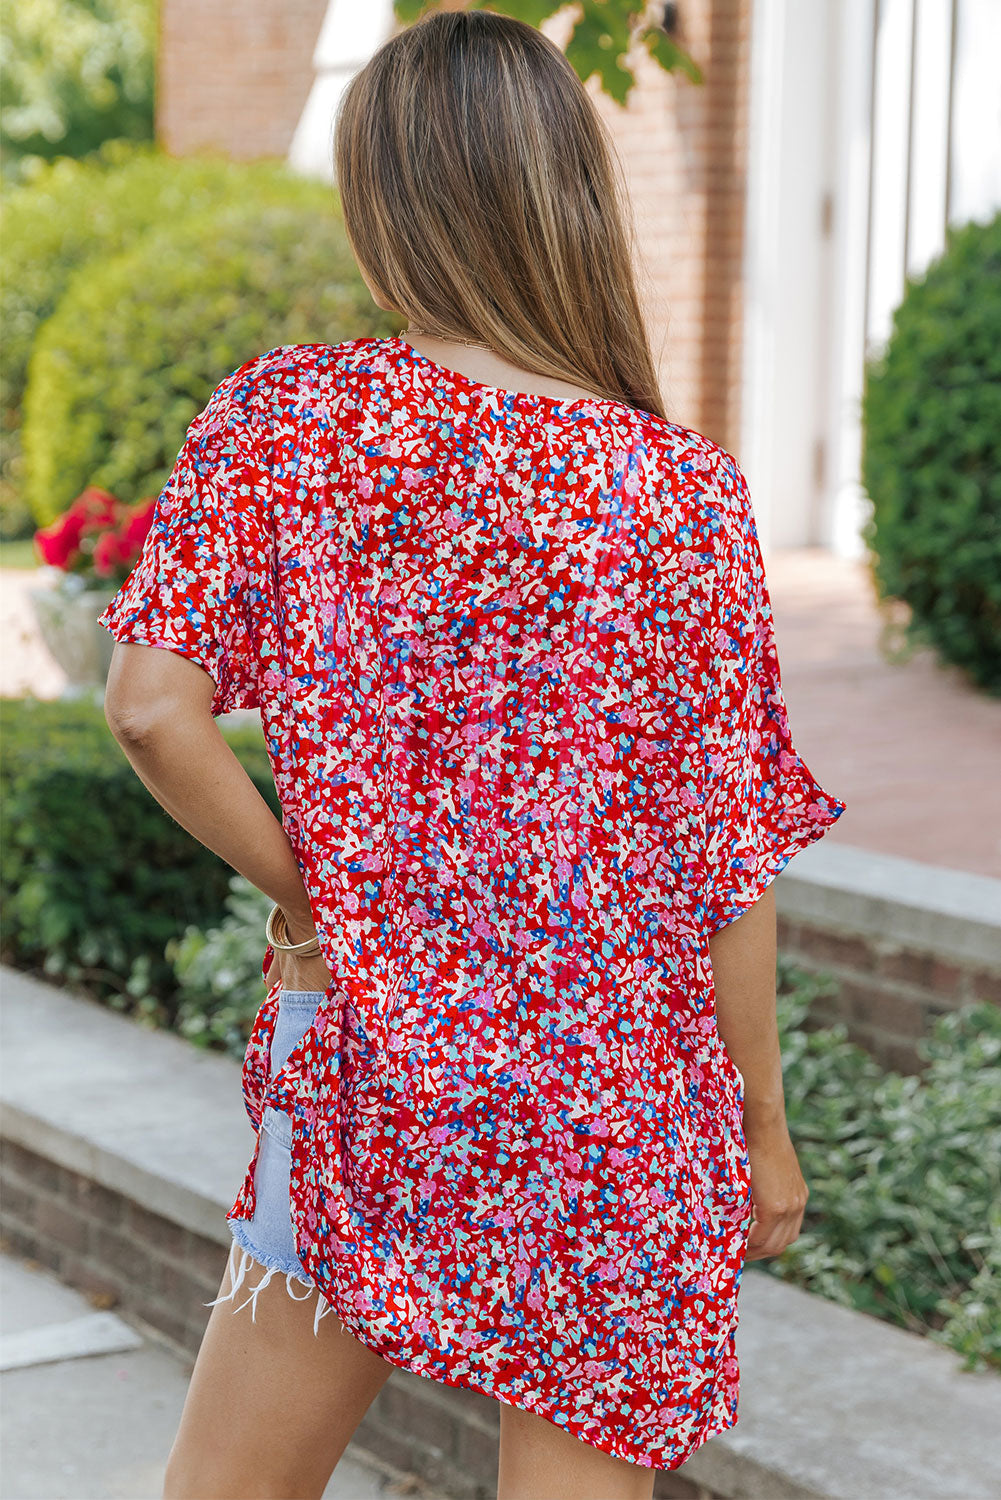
[784, 358]
[846, 504]
[893, 227]
[976, 113]
[351, 32]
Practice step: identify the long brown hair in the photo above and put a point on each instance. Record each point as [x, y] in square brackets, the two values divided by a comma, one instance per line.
[483, 197]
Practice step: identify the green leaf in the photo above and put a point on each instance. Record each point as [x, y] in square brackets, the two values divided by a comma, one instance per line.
[670, 56]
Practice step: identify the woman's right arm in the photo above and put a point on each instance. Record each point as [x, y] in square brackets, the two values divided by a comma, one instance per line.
[743, 956]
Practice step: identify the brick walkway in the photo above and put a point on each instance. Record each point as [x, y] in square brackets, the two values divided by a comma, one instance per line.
[910, 747]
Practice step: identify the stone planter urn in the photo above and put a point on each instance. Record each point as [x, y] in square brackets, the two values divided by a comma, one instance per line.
[67, 613]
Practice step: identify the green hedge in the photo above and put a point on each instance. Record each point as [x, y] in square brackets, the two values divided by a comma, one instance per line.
[136, 345]
[218, 972]
[931, 460]
[74, 75]
[81, 216]
[72, 212]
[95, 878]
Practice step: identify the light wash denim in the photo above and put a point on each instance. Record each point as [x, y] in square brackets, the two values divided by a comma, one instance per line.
[267, 1239]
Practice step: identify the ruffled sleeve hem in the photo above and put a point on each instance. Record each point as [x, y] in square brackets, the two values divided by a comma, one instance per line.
[129, 626]
[798, 815]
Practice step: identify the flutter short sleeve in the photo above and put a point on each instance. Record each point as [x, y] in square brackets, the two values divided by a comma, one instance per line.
[190, 589]
[762, 802]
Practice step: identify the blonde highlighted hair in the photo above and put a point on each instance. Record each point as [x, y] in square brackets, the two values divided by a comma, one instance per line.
[483, 197]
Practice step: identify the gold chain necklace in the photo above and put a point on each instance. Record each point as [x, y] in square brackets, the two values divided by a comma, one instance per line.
[426, 332]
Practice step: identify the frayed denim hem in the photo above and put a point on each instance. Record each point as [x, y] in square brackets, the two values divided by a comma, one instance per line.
[293, 1267]
[248, 1259]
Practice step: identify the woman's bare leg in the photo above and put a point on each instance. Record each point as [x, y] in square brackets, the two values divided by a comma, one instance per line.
[539, 1461]
[271, 1405]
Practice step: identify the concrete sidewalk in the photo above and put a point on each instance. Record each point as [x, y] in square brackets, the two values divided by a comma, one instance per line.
[91, 1404]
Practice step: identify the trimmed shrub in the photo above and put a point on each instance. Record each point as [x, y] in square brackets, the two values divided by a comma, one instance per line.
[75, 213]
[95, 878]
[931, 459]
[72, 212]
[136, 345]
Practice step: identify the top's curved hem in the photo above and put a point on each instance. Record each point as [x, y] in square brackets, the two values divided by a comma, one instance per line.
[481, 1383]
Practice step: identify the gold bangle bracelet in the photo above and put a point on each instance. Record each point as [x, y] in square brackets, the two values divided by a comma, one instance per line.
[305, 949]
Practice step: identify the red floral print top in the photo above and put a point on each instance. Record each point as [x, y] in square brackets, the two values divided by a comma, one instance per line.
[516, 669]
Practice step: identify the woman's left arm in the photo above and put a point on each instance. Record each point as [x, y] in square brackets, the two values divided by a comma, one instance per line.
[157, 706]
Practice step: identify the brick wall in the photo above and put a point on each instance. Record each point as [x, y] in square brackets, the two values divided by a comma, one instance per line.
[888, 995]
[123, 1256]
[111, 1248]
[684, 147]
[235, 76]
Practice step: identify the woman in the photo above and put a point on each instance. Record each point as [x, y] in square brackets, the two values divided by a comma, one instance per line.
[508, 630]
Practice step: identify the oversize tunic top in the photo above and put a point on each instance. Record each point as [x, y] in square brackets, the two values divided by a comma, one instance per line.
[516, 669]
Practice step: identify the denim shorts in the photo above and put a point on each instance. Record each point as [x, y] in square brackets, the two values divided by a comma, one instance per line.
[268, 1239]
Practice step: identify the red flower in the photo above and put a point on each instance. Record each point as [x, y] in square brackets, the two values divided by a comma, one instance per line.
[108, 554]
[95, 504]
[98, 534]
[56, 543]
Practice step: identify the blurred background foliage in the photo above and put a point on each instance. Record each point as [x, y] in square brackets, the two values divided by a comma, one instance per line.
[95, 878]
[74, 73]
[904, 1215]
